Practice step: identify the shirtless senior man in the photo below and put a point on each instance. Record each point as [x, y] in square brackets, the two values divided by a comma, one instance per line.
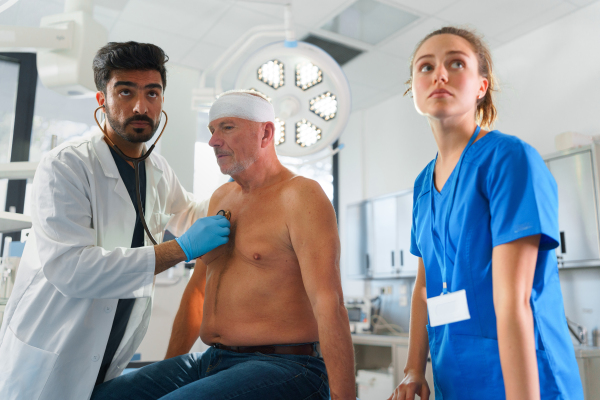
[264, 301]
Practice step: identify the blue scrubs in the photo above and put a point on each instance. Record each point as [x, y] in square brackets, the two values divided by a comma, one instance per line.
[504, 192]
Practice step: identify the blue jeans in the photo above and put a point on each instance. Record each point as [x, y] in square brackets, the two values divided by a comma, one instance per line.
[219, 375]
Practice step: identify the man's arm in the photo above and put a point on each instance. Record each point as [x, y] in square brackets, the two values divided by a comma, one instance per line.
[513, 269]
[314, 236]
[186, 327]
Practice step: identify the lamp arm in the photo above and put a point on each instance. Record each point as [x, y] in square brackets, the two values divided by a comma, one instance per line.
[19, 37]
[290, 34]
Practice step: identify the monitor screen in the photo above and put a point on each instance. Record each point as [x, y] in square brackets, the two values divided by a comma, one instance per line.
[354, 314]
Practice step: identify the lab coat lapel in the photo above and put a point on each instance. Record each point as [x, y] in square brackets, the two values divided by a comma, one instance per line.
[108, 165]
[153, 176]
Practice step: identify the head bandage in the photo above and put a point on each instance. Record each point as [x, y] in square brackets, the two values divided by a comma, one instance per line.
[243, 105]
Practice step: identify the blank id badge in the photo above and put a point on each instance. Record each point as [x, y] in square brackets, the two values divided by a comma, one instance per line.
[448, 308]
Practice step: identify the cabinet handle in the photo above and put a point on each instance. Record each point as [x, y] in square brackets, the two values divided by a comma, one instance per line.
[401, 258]
[368, 264]
[392, 258]
[563, 246]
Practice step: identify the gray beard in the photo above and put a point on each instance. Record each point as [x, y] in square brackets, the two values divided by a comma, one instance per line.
[240, 166]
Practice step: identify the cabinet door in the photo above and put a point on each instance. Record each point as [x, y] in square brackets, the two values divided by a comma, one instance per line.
[356, 241]
[408, 263]
[577, 218]
[384, 258]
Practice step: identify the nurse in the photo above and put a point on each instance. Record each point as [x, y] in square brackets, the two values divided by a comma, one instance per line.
[487, 303]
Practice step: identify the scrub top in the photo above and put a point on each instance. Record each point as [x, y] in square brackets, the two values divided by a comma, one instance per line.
[504, 192]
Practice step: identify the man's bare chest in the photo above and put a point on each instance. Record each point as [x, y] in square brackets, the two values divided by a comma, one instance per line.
[259, 233]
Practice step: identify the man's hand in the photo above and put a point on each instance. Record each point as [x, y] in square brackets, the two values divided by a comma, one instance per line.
[204, 235]
[414, 383]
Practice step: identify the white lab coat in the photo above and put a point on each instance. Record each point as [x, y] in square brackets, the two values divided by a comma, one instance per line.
[76, 264]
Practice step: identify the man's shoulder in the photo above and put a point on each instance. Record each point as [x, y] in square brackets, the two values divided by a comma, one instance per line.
[302, 190]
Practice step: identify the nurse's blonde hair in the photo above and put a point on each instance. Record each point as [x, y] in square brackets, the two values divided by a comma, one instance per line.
[486, 113]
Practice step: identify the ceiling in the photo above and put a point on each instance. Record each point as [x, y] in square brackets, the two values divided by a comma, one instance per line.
[195, 32]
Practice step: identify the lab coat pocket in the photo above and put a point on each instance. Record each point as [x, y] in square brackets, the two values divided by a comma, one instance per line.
[21, 362]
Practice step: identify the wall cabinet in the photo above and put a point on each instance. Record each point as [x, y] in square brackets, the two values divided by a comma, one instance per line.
[576, 175]
[378, 238]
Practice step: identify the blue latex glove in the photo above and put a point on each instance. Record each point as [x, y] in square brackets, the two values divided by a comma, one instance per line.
[204, 235]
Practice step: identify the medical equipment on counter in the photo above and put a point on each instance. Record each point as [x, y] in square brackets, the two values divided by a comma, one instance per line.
[136, 162]
[359, 314]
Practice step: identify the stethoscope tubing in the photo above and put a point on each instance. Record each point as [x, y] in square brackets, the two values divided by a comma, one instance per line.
[136, 162]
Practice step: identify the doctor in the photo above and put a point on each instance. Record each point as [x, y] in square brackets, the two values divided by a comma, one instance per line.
[83, 295]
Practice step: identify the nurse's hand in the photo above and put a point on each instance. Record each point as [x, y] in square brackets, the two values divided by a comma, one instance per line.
[204, 235]
[412, 384]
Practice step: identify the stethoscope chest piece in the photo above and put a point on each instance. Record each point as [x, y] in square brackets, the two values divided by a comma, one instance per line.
[226, 214]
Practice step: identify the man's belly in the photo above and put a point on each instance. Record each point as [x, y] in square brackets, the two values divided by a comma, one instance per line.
[249, 306]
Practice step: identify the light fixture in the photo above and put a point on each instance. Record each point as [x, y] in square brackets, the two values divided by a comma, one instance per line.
[279, 131]
[307, 134]
[325, 105]
[292, 102]
[272, 74]
[308, 75]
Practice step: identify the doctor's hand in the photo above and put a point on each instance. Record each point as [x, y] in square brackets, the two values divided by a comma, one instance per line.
[204, 235]
[414, 383]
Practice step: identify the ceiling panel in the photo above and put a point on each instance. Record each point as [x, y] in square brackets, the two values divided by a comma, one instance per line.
[233, 24]
[376, 69]
[184, 18]
[175, 46]
[106, 16]
[537, 22]
[202, 55]
[506, 14]
[29, 13]
[581, 3]
[403, 45]
[427, 7]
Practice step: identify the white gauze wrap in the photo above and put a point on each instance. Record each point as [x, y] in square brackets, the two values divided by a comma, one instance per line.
[242, 105]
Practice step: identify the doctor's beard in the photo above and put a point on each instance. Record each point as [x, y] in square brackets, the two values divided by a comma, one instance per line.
[138, 137]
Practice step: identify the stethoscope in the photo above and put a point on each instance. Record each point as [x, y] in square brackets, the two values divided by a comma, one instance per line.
[135, 162]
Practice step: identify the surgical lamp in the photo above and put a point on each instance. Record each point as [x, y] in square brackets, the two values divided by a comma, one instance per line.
[307, 87]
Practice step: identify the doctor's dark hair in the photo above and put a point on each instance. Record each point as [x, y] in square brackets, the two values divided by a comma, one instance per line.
[486, 112]
[128, 56]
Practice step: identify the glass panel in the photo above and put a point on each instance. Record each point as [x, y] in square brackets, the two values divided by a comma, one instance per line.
[55, 114]
[9, 82]
[369, 21]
